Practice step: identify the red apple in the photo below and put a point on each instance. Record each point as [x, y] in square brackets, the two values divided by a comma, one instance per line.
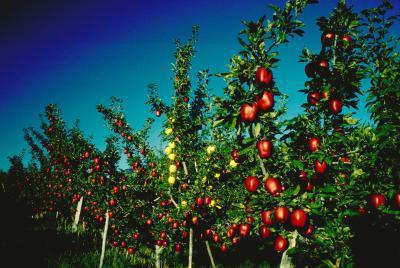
[280, 244]
[244, 229]
[397, 199]
[264, 148]
[327, 39]
[281, 214]
[298, 218]
[323, 64]
[263, 75]
[320, 167]
[251, 183]
[378, 200]
[310, 230]
[273, 186]
[248, 112]
[335, 105]
[199, 201]
[266, 101]
[264, 231]
[313, 144]
[313, 98]
[112, 202]
[266, 217]
[347, 40]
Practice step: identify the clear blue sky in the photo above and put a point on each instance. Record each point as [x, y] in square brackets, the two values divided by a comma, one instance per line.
[80, 53]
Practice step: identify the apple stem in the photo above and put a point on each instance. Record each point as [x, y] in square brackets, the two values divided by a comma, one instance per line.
[210, 254]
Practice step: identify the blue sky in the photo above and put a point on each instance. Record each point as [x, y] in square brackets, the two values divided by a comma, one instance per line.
[79, 53]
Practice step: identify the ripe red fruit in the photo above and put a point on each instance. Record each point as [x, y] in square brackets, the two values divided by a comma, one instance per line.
[207, 200]
[123, 244]
[313, 144]
[310, 230]
[178, 247]
[266, 217]
[248, 112]
[347, 40]
[195, 220]
[86, 155]
[327, 39]
[320, 167]
[309, 186]
[251, 183]
[303, 175]
[235, 154]
[223, 248]
[324, 64]
[115, 190]
[110, 214]
[335, 105]
[131, 250]
[158, 113]
[216, 238]
[231, 232]
[273, 186]
[112, 202]
[135, 236]
[266, 101]
[264, 148]
[149, 221]
[313, 98]
[397, 199]
[199, 201]
[280, 244]
[264, 231]
[298, 218]
[153, 173]
[244, 229]
[378, 200]
[281, 214]
[263, 75]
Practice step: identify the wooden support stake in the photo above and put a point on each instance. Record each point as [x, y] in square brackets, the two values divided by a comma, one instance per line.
[103, 245]
[210, 254]
[77, 215]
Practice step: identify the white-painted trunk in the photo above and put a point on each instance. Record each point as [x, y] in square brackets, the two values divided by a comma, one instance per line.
[190, 248]
[103, 245]
[286, 261]
[158, 262]
[77, 215]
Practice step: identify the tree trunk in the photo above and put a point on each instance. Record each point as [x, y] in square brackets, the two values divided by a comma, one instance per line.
[103, 246]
